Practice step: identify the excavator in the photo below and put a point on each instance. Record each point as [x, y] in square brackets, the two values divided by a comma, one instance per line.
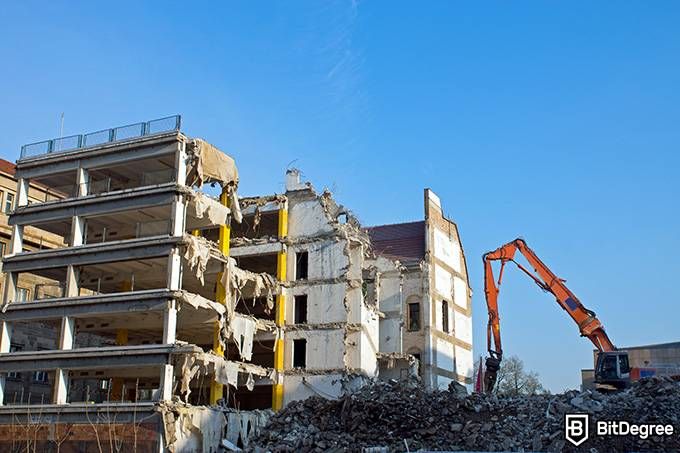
[612, 370]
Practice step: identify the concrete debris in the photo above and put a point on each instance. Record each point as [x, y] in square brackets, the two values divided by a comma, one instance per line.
[198, 301]
[208, 164]
[235, 206]
[207, 364]
[242, 329]
[204, 206]
[242, 284]
[243, 426]
[392, 414]
[197, 254]
[191, 428]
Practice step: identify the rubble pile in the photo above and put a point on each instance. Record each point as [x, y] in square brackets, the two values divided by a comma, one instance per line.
[405, 417]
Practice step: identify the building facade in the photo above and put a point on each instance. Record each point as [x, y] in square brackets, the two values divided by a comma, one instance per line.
[133, 271]
[134, 298]
[426, 297]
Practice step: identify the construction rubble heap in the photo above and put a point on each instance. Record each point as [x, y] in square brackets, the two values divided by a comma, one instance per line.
[399, 416]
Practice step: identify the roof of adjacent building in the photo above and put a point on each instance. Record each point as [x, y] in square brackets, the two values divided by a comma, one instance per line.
[401, 241]
[7, 167]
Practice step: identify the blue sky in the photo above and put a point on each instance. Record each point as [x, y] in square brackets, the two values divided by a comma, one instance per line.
[557, 122]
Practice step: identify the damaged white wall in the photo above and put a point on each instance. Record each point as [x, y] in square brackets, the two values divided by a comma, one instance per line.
[341, 329]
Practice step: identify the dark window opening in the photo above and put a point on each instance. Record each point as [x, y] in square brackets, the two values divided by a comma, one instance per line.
[414, 316]
[299, 353]
[13, 374]
[445, 316]
[301, 309]
[301, 265]
[418, 362]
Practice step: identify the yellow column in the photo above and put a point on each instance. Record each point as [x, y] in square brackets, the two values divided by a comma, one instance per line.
[280, 318]
[217, 389]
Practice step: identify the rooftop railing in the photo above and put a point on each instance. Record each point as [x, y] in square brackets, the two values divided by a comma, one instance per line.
[116, 134]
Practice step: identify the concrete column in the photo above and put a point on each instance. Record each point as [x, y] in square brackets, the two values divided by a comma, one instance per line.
[10, 292]
[175, 270]
[217, 389]
[5, 336]
[167, 376]
[82, 182]
[5, 344]
[72, 281]
[77, 231]
[66, 342]
[178, 220]
[170, 323]
[16, 244]
[181, 165]
[22, 192]
[280, 316]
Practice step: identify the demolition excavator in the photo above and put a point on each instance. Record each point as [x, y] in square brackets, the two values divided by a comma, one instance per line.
[612, 370]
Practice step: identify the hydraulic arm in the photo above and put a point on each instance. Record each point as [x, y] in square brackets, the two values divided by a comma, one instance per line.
[587, 322]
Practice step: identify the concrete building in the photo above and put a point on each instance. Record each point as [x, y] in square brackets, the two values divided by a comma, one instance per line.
[22, 386]
[169, 325]
[426, 298]
[132, 271]
[360, 302]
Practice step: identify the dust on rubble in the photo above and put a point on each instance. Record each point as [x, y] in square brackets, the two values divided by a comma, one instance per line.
[401, 416]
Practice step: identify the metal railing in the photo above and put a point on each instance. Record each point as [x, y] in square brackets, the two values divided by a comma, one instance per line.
[116, 134]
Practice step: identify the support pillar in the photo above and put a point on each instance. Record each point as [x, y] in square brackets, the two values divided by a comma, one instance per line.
[61, 378]
[22, 192]
[16, 244]
[217, 389]
[280, 316]
[5, 345]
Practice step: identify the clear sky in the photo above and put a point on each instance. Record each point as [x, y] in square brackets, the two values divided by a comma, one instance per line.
[555, 121]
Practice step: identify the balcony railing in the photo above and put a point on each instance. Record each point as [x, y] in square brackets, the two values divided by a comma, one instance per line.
[116, 134]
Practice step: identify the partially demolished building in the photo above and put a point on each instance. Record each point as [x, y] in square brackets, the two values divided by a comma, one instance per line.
[359, 303]
[175, 324]
[133, 272]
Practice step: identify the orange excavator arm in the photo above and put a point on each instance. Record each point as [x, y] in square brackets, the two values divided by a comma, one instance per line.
[587, 321]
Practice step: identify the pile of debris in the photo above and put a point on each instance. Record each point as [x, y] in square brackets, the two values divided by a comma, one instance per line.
[405, 417]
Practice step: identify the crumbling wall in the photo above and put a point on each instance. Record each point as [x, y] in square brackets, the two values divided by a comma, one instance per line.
[342, 327]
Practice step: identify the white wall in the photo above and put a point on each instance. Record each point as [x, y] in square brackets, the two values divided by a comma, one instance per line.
[464, 362]
[447, 250]
[324, 303]
[307, 218]
[460, 292]
[325, 348]
[463, 327]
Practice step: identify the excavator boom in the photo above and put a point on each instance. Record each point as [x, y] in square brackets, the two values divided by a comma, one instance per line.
[586, 320]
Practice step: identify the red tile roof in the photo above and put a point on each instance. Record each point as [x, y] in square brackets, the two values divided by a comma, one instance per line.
[402, 241]
[7, 167]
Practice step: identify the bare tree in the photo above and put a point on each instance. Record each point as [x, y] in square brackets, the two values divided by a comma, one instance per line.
[514, 380]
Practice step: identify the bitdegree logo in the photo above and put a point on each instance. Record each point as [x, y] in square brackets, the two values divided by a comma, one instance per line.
[576, 428]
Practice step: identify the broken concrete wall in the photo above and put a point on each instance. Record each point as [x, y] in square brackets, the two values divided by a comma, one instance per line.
[341, 328]
[193, 429]
[325, 348]
[299, 387]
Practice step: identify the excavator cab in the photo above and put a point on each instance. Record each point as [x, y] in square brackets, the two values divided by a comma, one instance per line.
[612, 370]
